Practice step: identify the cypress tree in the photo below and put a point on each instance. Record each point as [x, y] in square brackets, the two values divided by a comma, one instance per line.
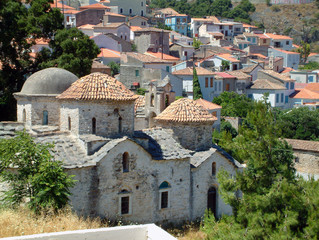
[197, 93]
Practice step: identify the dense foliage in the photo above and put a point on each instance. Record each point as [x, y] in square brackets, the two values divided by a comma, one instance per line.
[273, 203]
[197, 93]
[299, 123]
[19, 27]
[200, 8]
[310, 66]
[233, 104]
[32, 174]
[115, 68]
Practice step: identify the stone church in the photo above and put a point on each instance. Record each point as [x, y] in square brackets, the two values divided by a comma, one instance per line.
[166, 173]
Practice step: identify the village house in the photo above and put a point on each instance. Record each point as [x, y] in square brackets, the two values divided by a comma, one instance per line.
[178, 23]
[138, 21]
[291, 59]
[305, 94]
[304, 76]
[280, 41]
[183, 51]
[119, 29]
[112, 42]
[163, 174]
[129, 8]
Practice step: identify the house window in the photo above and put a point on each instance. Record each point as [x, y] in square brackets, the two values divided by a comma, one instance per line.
[142, 4]
[248, 39]
[230, 27]
[220, 27]
[264, 40]
[211, 82]
[287, 42]
[130, 11]
[286, 99]
[120, 125]
[282, 97]
[121, 10]
[68, 18]
[310, 79]
[220, 86]
[164, 195]
[292, 85]
[137, 73]
[277, 98]
[214, 169]
[287, 85]
[206, 82]
[142, 13]
[227, 87]
[254, 40]
[167, 68]
[69, 123]
[125, 202]
[93, 126]
[125, 162]
[45, 119]
[250, 96]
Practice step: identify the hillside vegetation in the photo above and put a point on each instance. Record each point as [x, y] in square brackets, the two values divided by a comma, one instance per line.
[299, 21]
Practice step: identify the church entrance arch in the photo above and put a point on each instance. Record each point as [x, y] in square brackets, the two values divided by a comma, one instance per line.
[151, 122]
[212, 200]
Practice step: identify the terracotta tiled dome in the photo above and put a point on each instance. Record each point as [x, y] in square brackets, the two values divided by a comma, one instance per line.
[186, 110]
[98, 86]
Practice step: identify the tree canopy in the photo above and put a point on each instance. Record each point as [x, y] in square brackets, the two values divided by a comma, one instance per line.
[268, 200]
[32, 173]
[197, 92]
[20, 27]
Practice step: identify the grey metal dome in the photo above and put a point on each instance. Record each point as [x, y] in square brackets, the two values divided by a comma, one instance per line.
[48, 81]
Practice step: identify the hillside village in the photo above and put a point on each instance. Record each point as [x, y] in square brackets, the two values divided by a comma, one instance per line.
[150, 157]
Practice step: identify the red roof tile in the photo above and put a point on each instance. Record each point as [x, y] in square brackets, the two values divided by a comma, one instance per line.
[94, 6]
[208, 105]
[108, 53]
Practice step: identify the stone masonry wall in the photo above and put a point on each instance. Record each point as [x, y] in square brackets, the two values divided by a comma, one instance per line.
[107, 118]
[202, 180]
[307, 162]
[99, 189]
[194, 136]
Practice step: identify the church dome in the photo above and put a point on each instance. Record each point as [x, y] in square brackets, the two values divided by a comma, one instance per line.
[48, 81]
[98, 86]
[186, 110]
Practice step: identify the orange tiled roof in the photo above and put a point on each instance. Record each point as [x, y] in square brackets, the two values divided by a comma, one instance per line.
[109, 25]
[189, 71]
[86, 26]
[108, 53]
[168, 11]
[287, 69]
[186, 110]
[143, 58]
[71, 12]
[245, 25]
[139, 102]
[135, 28]
[98, 86]
[131, 18]
[313, 54]
[60, 5]
[259, 55]
[228, 57]
[208, 105]
[304, 145]
[114, 14]
[239, 74]
[165, 56]
[277, 37]
[266, 84]
[40, 41]
[212, 19]
[287, 52]
[305, 94]
[94, 6]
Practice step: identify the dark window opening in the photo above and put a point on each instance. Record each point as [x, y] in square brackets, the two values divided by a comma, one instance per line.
[212, 200]
[214, 169]
[125, 162]
[125, 205]
[164, 200]
[69, 123]
[45, 120]
[93, 126]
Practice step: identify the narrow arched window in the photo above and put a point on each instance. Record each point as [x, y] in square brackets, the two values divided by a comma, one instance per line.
[152, 100]
[120, 125]
[69, 123]
[45, 119]
[164, 195]
[213, 168]
[125, 162]
[166, 101]
[93, 126]
[24, 116]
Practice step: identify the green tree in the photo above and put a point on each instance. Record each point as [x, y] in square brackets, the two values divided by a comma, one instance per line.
[274, 202]
[141, 91]
[196, 43]
[197, 93]
[115, 68]
[221, 8]
[233, 104]
[299, 123]
[304, 51]
[310, 66]
[73, 51]
[32, 173]
[225, 65]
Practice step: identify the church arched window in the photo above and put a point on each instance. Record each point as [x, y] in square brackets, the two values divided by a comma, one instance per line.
[93, 126]
[152, 100]
[164, 195]
[24, 116]
[214, 169]
[120, 125]
[69, 123]
[45, 119]
[125, 162]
